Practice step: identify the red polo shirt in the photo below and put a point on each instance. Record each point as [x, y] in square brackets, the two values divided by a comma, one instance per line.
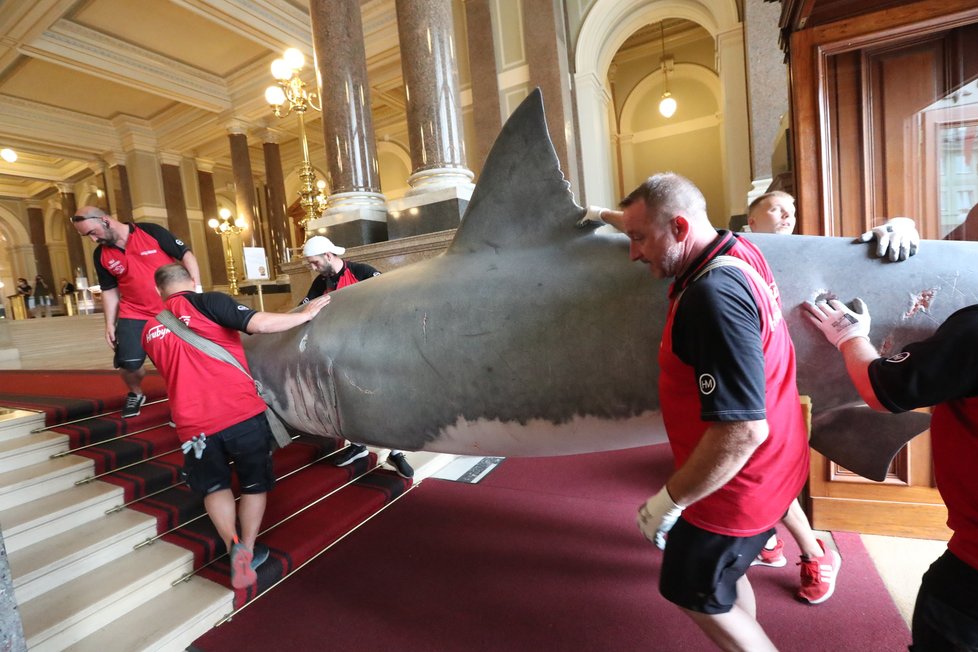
[148, 248]
[726, 355]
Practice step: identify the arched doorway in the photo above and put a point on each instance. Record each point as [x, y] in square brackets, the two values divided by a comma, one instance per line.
[607, 26]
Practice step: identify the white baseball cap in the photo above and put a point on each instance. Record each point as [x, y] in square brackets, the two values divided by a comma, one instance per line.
[318, 245]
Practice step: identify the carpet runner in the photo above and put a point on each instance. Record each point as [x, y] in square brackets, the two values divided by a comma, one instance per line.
[542, 554]
[142, 455]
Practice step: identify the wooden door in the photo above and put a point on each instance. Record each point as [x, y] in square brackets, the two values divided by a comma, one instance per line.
[867, 93]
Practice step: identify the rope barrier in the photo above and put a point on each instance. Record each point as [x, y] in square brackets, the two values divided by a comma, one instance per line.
[231, 615]
[94, 416]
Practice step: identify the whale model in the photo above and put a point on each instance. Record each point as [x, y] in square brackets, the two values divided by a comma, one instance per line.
[531, 336]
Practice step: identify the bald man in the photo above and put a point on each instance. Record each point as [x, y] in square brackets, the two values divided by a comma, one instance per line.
[125, 259]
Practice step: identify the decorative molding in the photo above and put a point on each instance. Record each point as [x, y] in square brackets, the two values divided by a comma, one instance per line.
[40, 123]
[170, 158]
[135, 134]
[101, 55]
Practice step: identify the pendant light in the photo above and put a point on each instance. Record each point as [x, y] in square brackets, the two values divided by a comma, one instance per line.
[667, 105]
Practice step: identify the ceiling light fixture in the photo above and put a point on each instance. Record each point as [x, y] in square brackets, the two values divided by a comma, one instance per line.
[8, 155]
[667, 105]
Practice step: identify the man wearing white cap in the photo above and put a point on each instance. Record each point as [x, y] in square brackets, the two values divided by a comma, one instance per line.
[334, 273]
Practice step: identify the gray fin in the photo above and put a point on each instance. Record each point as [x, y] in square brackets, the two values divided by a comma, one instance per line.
[863, 440]
[521, 199]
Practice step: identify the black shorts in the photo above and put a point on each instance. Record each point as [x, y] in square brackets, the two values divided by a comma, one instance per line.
[248, 444]
[945, 616]
[129, 353]
[700, 569]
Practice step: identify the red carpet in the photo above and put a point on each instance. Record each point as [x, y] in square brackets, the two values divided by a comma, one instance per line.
[143, 456]
[542, 555]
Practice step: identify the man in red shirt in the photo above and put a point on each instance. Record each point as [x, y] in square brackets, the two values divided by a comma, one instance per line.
[941, 371]
[125, 259]
[730, 405]
[334, 273]
[216, 408]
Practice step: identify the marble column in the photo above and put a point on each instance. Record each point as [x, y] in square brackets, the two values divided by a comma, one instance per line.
[76, 251]
[245, 198]
[282, 238]
[176, 205]
[356, 212]
[35, 216]
[548, 62]
[767, 82]
[441, 184]
[486, 110]
[214, 245]
[120, 203]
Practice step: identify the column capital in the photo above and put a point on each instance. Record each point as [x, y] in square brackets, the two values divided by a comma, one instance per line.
[204, 164]
[135, 134]
[64, 188]
[113, 158]
[269, 135]
[237, 126]
[170, 158]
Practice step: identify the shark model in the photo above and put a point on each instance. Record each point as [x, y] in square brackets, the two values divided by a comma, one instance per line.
[530, 336]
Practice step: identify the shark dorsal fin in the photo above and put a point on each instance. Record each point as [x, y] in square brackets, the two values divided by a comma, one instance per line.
[521, 199]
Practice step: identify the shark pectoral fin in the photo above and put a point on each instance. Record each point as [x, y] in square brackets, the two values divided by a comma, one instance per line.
[863, 440]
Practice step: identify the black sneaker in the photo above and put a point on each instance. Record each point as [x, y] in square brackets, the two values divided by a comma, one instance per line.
[133, 403]
[400, 464]
[352, 453]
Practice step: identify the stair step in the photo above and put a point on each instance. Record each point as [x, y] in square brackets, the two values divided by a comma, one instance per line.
[38, 480]
[59, 618]
[50, 563]
[23, 451]
[171, 621]
[33, 521]
[17, 423]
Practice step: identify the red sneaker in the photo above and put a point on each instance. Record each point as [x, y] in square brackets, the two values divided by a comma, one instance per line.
[242, 574]
[818, 576]
[774, 557]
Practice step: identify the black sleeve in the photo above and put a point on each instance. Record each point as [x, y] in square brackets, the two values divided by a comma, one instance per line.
[106, 281]
[717, 331]
[317, 289]
[362, 271]
[222, 309]
[944, 367]
[168, 243]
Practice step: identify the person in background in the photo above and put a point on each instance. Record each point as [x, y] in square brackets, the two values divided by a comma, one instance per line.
[43, 297]
[333, 274]
[219, 416]
[940, 371]
[67, 287]
[126, 257]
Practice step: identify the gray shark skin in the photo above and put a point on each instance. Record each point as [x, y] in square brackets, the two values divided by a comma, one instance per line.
[530, 336]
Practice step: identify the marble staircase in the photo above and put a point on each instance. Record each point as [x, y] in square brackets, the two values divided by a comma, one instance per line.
[78, 580]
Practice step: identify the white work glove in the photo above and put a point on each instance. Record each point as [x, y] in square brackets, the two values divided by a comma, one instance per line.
[837, 322]
[897, 239]
[591, 216]
[656, 516]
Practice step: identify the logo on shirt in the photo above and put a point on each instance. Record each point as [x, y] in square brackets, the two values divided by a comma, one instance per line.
[899, 357]
[242, 307]
[116, 268]
[707, 384]
[178, 241]
[149, 252]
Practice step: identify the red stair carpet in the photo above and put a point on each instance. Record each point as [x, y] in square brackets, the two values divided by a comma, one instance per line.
[143, 456]
[542, 555]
